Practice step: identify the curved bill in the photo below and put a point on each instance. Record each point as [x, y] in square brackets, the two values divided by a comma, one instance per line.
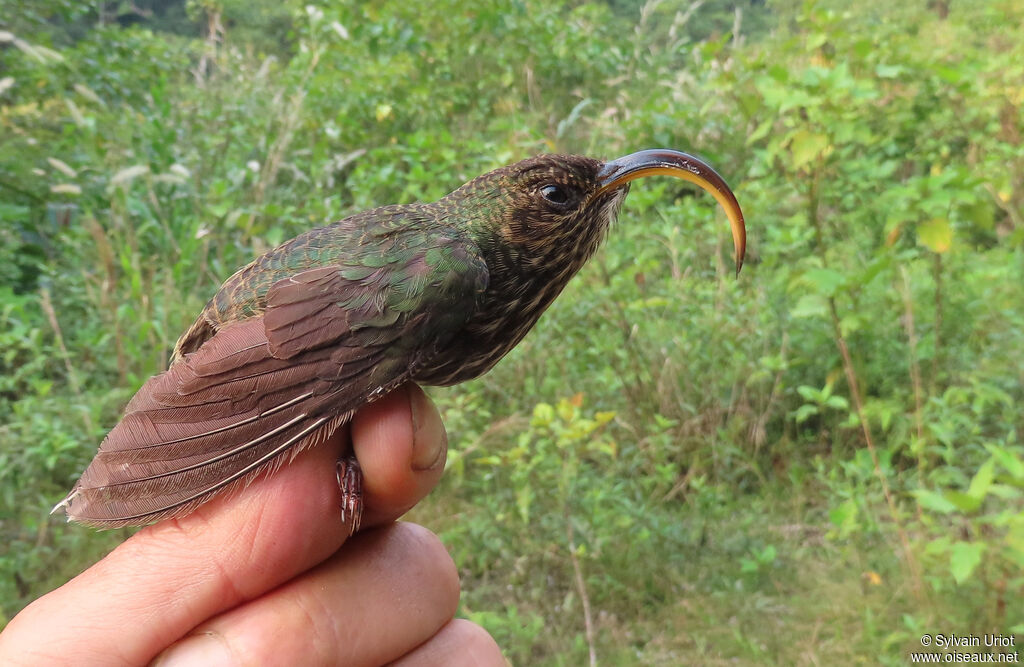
[617, 173]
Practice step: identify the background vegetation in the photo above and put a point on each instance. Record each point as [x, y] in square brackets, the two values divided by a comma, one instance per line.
[814, 463]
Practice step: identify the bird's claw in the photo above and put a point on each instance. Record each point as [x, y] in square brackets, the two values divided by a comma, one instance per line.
[350, 483]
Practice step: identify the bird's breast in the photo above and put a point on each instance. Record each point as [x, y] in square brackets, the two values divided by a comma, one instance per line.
[505, 317]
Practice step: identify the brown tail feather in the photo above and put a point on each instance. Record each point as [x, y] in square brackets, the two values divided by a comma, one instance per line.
[187, 435]
[178, 492]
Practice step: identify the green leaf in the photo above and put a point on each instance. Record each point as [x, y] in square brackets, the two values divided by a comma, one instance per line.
[933, 501]
[982, 480]
[887, 71]
[1008, 460]
[807, 147]
[219, 209]
[524, 499]
[543, 415]
[963, 502]
[1015, 543]
[1004, 492]
[935, 234]
[815, 40]
[825, 281]
[980, 213]
[804, 412]
[845, 514]
[809, 393]
[964, 558]
[566, 411]
[938, 546]
[810, 305]
[837, 403]
[849, 324]
[872, 270]
[761, 132]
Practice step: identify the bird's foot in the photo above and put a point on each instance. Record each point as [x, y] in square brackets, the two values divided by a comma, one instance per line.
[350, 483]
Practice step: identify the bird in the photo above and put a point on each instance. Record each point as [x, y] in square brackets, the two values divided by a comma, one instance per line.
[294, 343]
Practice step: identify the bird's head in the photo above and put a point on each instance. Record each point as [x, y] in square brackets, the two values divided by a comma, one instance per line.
[555, 209]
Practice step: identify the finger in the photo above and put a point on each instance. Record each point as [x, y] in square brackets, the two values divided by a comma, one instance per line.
[387, 592]
[402, 460]
[171, 576]
[460, 643]
[176, 574]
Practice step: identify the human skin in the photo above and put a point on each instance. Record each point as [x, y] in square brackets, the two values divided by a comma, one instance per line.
[270, 576]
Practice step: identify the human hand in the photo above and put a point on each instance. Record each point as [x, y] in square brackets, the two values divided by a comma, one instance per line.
[269, 575]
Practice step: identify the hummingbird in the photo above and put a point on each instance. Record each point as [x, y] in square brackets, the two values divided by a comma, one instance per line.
[293, 344]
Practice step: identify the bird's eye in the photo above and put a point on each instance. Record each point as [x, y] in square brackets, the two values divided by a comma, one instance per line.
[555, 194]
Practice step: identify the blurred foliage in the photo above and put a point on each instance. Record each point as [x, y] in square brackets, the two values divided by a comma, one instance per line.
[680, 448]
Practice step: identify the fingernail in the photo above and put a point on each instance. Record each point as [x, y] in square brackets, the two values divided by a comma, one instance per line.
[205, 648]
[429, 439]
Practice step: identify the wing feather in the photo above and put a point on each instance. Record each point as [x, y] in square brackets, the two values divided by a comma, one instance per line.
[330, 339]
